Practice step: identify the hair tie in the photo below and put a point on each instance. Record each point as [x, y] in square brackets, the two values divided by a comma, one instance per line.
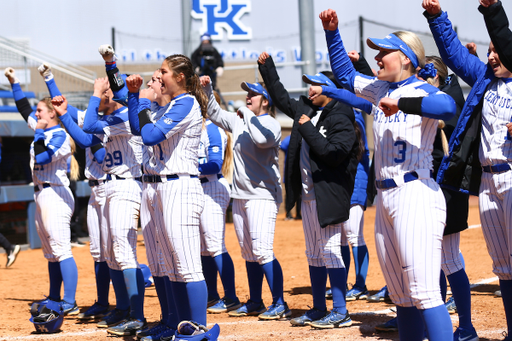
[428, 71]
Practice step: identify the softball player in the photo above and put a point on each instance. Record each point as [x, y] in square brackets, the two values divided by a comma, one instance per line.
[172, 189]
[256, 194]
[214, 255]
[353, 228]
[53, 198]
[324, 136]
[96, 223]
[411, 210]
[486, 108]
[123, 156]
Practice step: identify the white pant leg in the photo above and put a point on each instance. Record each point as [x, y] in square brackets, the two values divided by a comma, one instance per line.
[151, 218]
[255, 223]
[182, 204]
[409, 230]
[353, 228]
[450, 261]
[495, 201]
[97, 223]
[54, 208]
[123, 199]
[213, 218]
[323, 245]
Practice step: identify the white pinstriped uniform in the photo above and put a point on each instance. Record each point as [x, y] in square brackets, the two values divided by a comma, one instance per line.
[149, 225]
[216, 200]
[353, 228]
[123, 155]
[410, 218]
[323, 245]
[176, 205]
[96, 220]
[54, 204]
[451, 261]
[495, 198]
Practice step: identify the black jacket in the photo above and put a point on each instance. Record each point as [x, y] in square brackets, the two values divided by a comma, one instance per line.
[497, 25]
[333, 150]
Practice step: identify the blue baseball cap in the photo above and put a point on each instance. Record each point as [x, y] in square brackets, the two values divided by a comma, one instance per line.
[257, 88]
[206, 36]
[318, 79]
[392, 43]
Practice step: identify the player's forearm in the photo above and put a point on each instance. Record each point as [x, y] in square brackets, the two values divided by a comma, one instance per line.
[220, 117]
[41, 151]
[348, 98]
[99, 152]
[437, 106]
[117, 83]
[133, 113]
[276, 90]
[91, 122]
[82, 139]
[22, 103]
[340, 62]
[151, 135]
[211, 167]
[262, 136]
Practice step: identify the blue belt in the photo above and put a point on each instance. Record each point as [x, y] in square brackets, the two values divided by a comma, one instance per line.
[499, 168]
[158, 178]
[390, 183]
[37, 189]
[205, 180]
[111, 177]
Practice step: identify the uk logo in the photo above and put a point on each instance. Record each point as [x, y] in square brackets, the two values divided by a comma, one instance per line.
[219, 15]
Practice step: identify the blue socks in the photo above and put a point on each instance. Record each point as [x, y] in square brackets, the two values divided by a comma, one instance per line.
[69, 274]
[318, 277]
[210, 277]
[438, 323]
[55, 280]
[361, 260]
[191, 298]
[461, 292]
[338, 279]
[102, 282]
[173, 318]
[161, 293]
[410, 324]
[506, 296]
[227, 274]
[255, 278]
[274, 274]
[134, 280]
[345, 255]
[122, 300]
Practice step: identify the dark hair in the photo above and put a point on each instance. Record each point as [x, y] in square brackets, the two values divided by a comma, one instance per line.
[179, 63]
[333, 79]
[360, 141]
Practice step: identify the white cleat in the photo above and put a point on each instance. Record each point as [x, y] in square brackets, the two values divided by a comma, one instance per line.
[107, 52]
[10, 74]
[45, 70]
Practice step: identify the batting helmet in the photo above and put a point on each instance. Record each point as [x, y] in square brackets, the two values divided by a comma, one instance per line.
[50, 318]
[193, 331]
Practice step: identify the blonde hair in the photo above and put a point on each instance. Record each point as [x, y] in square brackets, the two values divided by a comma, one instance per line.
[271, 108]
[74, 172]
[415, 44]
[442, 70]
[227, 164]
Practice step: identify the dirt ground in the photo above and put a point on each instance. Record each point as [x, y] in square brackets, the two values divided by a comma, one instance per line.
[27, 280]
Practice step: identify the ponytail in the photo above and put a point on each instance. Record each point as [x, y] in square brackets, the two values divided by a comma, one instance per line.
[74, 172]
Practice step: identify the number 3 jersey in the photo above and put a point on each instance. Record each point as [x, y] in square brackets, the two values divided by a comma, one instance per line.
[403, 142]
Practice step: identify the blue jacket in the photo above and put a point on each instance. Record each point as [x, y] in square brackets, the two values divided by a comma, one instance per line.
[461, 170]
[359, 195]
